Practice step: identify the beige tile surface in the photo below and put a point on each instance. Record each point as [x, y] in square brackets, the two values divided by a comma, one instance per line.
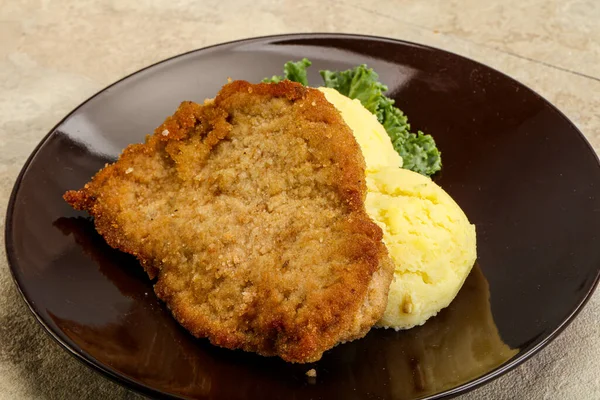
[55, 54]
[563, 34]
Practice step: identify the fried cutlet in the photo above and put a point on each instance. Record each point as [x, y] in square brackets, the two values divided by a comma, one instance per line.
[249, 212]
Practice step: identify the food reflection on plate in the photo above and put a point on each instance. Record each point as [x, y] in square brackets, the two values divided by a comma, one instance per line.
[459, 344]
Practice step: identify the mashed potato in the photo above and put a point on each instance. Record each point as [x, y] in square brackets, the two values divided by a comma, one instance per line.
[429, 239]
[428, 236]
[371, 136]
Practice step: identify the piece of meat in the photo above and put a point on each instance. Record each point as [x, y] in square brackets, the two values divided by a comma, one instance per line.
[249, 212]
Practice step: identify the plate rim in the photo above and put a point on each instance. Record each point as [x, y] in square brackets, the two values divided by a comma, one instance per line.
[133, 384]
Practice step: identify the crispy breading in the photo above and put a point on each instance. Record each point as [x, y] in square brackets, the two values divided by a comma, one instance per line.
[249, 211]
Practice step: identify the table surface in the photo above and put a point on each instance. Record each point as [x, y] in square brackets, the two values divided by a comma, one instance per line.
[55, 54]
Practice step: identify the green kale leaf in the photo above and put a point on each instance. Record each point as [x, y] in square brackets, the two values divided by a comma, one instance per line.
[292, 71]
[418, 151]
[360, 83]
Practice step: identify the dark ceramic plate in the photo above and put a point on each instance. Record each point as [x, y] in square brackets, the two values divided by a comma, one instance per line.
[521, 171]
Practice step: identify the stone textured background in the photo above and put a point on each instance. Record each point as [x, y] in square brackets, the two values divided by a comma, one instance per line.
[55, 54]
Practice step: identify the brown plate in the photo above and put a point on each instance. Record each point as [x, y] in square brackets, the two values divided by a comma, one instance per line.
[521, 171]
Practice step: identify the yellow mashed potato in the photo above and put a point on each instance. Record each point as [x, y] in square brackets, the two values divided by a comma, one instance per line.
[428, 236]
[429, 239]
[371, 136]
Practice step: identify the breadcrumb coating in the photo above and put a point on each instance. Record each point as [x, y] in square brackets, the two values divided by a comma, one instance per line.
[249, 212]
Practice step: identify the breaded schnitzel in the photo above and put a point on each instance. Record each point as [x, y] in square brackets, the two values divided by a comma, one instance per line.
[249, 211]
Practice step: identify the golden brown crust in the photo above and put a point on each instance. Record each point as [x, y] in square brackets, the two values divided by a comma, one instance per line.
[249, 211]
